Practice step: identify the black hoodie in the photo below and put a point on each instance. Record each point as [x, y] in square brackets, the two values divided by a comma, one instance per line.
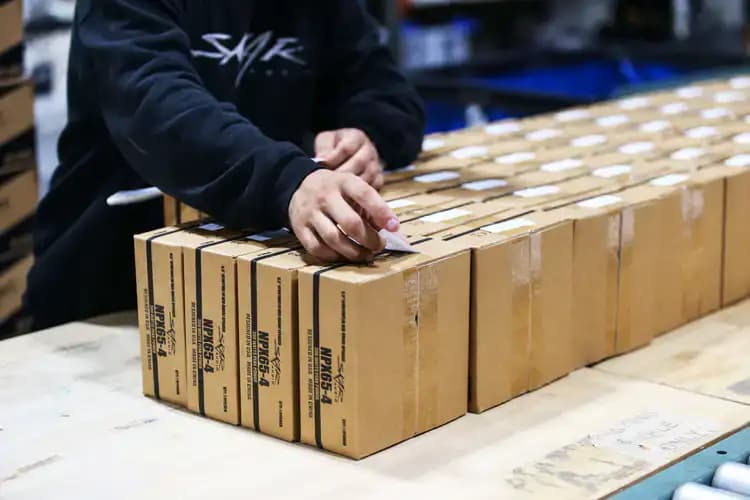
[216, 103]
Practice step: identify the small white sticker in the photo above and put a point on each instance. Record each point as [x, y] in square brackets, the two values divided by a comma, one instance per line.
[634, 103]
[269, 235]
[407, 168]
[588, 141]
[738, 161]
[446, 215]
[655, 126]
[686, 154]
[543, 134]
[572, 115]
[600, 201]
[669, 180]
[561, 165]
[612, 171]
[485, 184]
[513, 158]
[396, 204]
[535, 192]
[636, 148]
[446, 175]
[674, 108]
[690, 92]
[211, 227]
[701, 132]
[715, 113]
[743, 138]
[430, 144]
[469, 152]
[728, 96]
[740, 82]
[502, 128]
[509, 225]
[612, 120]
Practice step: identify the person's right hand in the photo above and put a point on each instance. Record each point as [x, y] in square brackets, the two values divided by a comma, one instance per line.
[328, 200]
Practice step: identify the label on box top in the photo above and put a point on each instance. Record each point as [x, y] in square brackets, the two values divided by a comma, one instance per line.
[485, 184]
[587, 141]
[269, 235]
[669, 180]
[502, 128]
[655, 126]
[400, 203]
[740, 82]
[702, 132]
[635, 148]
[469, 152]
[535, 192]
[743, 138]
[445, 175]
[688, 154]
[612, 120]
[430, 144]
[738, 161]
[674, 108]
[600, 201]
[211, 226]
[446, 215]
[508, 225]
[513, 158]
[572, 115]
[612, 171]
[543, 134]
[727, 96]
[715, 113]
[689, 92]
[561, 165]
[634, 103]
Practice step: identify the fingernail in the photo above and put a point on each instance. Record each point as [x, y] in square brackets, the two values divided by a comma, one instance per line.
[392, 225]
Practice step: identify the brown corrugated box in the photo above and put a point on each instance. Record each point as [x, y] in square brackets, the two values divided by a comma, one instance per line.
[383, 348]
[11, 24]
[518, 162]
[13, 286]
[18, 199]
[445, 219]
[736, 264]
[16, 109]
[421, 204]
[431, 182]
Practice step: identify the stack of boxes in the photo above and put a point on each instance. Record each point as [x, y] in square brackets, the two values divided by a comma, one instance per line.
[545, 245]
[18, 178]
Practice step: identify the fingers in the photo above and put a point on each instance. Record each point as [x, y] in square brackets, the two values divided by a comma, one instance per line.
[331, 236]
[374, 206]
[353, 225]
[325, 142]
[349, 143]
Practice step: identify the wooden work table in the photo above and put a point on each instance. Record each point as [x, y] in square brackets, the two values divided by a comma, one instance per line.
[73, 424]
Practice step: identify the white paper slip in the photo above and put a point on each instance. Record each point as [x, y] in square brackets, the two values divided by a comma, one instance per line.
[740, 82]
[743, 138]
[686, 154]
[535, 192]
[502, 128]
[508, 225]
[469, 152]
[612, 171]
[543, 134]
[514, 158]
[446, 175]
[715, 113]
[702, 132]
[738, 161]
[588, 141]
[446, 215]
[396, 242]
[430, 144]
[635, 148]
[396, 204]
[690, 92]
[728, 96]
[600, 201]
[572, 115]
[134, 196]
[612, 120]
[485, 184]
[669, 180]
[674, 108]
[634, 103]
[561, 165]
[655, 126]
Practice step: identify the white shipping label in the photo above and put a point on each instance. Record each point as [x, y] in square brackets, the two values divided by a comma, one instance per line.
[702, 132]
[612, 171]
[655, 126]
[572, 115]
[446, 175]
[211, 227]
[600, 201]
[669, 180]
[740, 82]
[636, 148]
[743, 138]
[535, 192]
[738, 161]
[674, 108]
[543, 134]
[502, 128]
[396, 204]
[634, 103]
[728, 96]
[715, 113]
[561, 165]
[612, 120]
[513, 158]
[588, 141]
[446, 215]
[430, 144]
[509, 225]
[690, 92]
[485, 184]
[686, 154]
[469, 152]
[269, 235]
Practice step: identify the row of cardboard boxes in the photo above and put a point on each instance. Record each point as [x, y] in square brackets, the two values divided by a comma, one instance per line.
[11, 39]
[503, 297]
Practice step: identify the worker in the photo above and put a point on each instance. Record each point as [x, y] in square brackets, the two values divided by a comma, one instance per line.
[222, 105]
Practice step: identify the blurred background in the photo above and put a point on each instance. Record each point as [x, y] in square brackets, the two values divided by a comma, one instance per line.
[481, 60]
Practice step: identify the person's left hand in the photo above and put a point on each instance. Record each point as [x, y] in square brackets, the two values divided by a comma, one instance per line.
[350, 150]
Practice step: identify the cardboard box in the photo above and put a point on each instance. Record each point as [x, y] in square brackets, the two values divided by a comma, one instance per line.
[518, 162]
[18, 199]
[16, 109]
[736, 264]
[551, 195]
[11, 24]
[161, 315]
[383, 348]
[13, 286]
[171, 211]
[16, 242]
[190, 214]
[17, 155]
[431, 182]
[632, 173]
[414, 207]
[445, 219]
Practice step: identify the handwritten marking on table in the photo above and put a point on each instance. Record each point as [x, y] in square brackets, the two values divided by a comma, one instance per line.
[135, 423]
[32, 466]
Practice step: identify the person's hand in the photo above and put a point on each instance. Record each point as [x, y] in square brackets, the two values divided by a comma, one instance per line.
[350, 150]
[331, 205]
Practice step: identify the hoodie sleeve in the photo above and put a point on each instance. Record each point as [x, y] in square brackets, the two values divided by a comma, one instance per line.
[169, 127]
[363, 88]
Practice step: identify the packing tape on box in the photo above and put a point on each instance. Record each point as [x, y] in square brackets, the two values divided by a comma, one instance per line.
[613, 232]
[627, 231]
[411, 352]
[429, 365]
[535, 271]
